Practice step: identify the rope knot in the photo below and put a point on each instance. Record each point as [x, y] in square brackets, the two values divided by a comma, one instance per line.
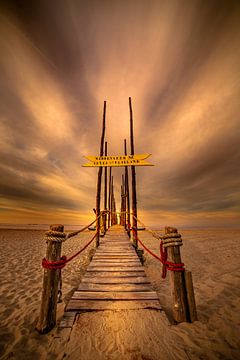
[53, 265]
[56, 236]
[172, 239]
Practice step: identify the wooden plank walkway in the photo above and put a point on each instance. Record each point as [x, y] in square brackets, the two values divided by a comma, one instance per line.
[115, 278]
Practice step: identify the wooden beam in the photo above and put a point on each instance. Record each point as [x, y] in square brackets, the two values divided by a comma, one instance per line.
[134, 191]
[51, 278]
[177, 283]
[127, 190]
[110, 197]
[98, 197]
[105, 190]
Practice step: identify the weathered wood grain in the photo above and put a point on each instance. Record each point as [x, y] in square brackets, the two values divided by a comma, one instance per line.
[111, 295]
[190, 296]
[115, 273]
[115, 280]
[114, 260]
[114, 287]
[114, 264]
[114, 268]
[80, 305]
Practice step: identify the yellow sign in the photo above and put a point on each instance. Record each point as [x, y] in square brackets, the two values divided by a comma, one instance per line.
[119, 160]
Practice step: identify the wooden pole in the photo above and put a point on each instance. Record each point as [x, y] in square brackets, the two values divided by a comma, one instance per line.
[105, 190]
[190, 296]
[127, 188]
[112, 204]
[134, 192]
[99, 181]
[121, 211]
[51, 278]
[177, 281]
[123, 201]
[109, 197]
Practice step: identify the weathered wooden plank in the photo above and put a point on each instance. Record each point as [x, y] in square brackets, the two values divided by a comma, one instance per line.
[111, 295]
[80, 305]
[66, 322]
[109, 249]
[115, 274]
[115, 261]
[114, 264]
[117, 244]
[115, 268]
[125, 254]
[118, 241]
[113, 287]
[116, 280]
[114, 253]
[116, 256]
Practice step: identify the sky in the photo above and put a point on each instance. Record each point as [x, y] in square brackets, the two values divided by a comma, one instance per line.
[179, 61]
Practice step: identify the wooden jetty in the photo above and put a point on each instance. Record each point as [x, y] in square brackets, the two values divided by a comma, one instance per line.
[115, 278]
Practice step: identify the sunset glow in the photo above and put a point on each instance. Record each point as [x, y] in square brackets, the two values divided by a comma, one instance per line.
[180, 63]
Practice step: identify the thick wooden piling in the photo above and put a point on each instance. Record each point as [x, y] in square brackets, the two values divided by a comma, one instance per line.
[51, 278]
[134, 192]
[192, 309]
[127, 190]
[105, 190]
[109, 197]
[177, 282]
[99, 181]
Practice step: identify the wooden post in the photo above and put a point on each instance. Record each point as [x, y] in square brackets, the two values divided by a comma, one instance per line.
[177, 281]
[190, 296]
[99, 181]
[123, 201]
[127, 189]
[134, 192]
[112, 203]
[121, 211]
[109, 197]
[105, 190]
[48, 311]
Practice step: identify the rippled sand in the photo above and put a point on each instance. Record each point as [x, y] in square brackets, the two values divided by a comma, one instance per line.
[211, 255]
[21, 286]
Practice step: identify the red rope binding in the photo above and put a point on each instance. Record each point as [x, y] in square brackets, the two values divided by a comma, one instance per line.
[53, 265]
[167, 265]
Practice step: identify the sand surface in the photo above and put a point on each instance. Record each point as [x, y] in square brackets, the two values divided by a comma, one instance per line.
[211, 255]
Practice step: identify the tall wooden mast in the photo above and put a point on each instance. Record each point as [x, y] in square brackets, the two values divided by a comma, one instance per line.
[99, 181]
[127, 189]
[134, 192]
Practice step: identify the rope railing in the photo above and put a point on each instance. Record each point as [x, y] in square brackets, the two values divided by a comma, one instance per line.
[58, 236]
[154, 234]
[184, 306]
[166, 265]
[166, 241]
[60, 264]
[52, 235]
[53, 263]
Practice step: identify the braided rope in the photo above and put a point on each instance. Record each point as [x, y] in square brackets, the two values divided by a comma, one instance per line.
[58, 236]
[154, 234]
[60, 264]
[172, 240]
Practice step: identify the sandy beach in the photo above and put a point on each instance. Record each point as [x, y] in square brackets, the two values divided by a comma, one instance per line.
[213, 257]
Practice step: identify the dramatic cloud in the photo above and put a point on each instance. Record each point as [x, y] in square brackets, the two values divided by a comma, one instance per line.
[180, 63]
